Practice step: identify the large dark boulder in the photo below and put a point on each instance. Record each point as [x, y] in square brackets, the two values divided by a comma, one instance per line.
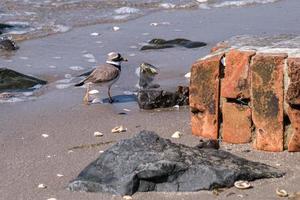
[148, 162]
[158, 43]
[151, 98]
[11, 80]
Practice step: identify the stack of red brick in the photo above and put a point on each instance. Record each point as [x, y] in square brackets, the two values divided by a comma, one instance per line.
[245, 96]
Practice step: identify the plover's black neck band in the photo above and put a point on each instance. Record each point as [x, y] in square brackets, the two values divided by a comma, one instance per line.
[116, 64]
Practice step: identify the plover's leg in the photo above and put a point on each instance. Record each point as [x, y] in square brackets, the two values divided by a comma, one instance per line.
[110, 100]
[86, 98]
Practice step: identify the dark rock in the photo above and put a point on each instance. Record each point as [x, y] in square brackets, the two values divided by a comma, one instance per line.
[8, 44]
[11, 80]
[163, 44]
[209, 144]
[151, 99]
[147, 162]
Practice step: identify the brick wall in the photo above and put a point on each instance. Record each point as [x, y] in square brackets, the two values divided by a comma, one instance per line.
[242, 96]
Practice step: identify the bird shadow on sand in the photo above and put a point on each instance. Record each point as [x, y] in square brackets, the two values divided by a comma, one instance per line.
[122, 99]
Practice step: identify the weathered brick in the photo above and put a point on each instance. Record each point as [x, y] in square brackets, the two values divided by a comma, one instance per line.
[293, 92]
[267, 100]
[236, 81]
[204, 97]
[236, 123]
[294, 139]
[292, 101]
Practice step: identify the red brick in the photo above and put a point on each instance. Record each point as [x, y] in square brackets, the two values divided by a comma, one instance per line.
[294, 139]
[204, 97]
[236, 123]
[236, 81]
[267, 100]
[293, 92]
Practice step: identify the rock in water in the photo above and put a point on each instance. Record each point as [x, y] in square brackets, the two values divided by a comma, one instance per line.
[11, 80]
[8, 44]
[151, 99]
[148, 162]
[158, 43]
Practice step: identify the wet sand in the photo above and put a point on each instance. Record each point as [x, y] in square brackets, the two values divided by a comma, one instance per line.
[28, 159]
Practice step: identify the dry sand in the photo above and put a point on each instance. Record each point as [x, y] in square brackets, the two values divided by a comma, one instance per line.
[28, 159]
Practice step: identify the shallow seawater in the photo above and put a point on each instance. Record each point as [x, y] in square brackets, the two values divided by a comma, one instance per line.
[35, 18]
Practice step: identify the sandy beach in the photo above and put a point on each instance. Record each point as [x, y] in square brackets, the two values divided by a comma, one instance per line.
[28, 159]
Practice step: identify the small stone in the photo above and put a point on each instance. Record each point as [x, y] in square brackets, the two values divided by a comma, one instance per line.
[278, 164]
[59, 175]
[281, 193]
[98, 134]
[116, 28]
[45, 135]
[127, 197]
[176, 135]
[176, 106]
[42, 186]
[52, 199]
[70, 151]
[101, 151]
[242, 185]
[118, 129]
[127, 110]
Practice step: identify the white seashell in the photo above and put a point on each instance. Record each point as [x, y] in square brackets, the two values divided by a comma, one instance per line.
[127, 110]
[93, 92]
[94, 34]
[45, 135]
[127, 197]
[48, 156]
[116, 28]
[91, 60]
[176, 106]
[42, 186]
[88, 55]
[70, 151]
[98, 134]
[153, 24]
[101, 151]
[176, 135]
[59, 175]
[52, 199]
[96, 100]
[118, 129]
[242, 184]
[281, 193]
[187, 75]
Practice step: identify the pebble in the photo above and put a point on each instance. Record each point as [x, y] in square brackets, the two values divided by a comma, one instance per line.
[242, 185]
[88, 55]
[176, 106]
[70, 151]
[116, 28]
[42, 186]
[52, 199]
[98, 134]
[176, 135]
[45, 135]
[127, 197]
[127, 110]
[118, 129]
[59, 175]
[101, 151]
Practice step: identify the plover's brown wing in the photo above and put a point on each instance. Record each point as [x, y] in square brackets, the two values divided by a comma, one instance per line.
[103, 73]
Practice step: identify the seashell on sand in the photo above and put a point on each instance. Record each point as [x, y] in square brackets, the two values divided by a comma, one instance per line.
[242, 185]
[118, 129]
[281, 193]
[176, 135]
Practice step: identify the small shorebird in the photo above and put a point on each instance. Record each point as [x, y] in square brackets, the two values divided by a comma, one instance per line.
[104, 75]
